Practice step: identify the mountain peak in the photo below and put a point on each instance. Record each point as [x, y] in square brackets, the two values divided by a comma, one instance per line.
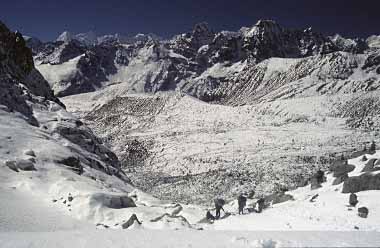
[65, 36]
[265, 23]
[202, 35]
[88, 38]
[201, 28]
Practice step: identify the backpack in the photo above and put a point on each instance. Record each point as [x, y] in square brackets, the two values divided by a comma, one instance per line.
[242, 199]
[219, 202]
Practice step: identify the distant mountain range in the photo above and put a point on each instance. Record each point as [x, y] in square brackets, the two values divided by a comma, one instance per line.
[212, 66]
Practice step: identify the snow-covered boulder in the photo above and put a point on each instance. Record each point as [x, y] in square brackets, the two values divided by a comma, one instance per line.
[21, 164]
[11, 165]
[112, 201]
[30, 153]
[25, 165]
[132, 220]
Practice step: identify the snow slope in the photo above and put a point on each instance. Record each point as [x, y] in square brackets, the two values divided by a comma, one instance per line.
[55, 74]
[326, 222]
[185, 239]
[38, 201]
[47, 189]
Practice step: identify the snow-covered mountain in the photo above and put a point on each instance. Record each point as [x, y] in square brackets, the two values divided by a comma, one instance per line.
[202, 62]
[373, 41]
[274, 77]
[55, 173]
[281, 121]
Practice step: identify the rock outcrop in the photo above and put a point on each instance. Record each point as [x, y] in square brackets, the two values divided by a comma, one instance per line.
[20, 83]
[363, 182]
[24, 91]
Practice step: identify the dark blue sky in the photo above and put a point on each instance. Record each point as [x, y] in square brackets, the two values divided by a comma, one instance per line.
[47, 18]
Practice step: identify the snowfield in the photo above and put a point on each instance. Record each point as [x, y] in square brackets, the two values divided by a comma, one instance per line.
[36, 210]
[185, 239]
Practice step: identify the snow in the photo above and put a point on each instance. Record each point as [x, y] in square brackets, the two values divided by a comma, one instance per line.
[35, 211]
[55, 74]
[222, 70]
[277, 65]
[35, 215]
[374, 41]
[185, 239]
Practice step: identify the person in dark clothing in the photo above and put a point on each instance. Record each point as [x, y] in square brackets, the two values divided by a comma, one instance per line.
[218, 206]
[261, 204]
[242, 201]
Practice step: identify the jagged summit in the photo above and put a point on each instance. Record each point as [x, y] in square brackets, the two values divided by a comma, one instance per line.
[65, 36]
[202, 34]
[349, 45]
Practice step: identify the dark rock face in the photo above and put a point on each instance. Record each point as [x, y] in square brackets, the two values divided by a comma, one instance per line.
[317, 179]
[314, 184]
[19, 80]
[370, 166]
[93, 68]
[340, 168]
[372, 61]
[340, 179]
[59, 52]
[85, 138]
[34, 44]
[73, 164]
[366, 181]
[349, 45]
[23, 88]
[225, 47]
[268, 39]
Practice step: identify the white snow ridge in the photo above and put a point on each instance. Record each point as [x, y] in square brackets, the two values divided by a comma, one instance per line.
[280, 127]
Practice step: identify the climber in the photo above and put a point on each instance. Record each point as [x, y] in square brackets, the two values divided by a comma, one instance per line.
[218, 206]
[242, 200]
[260, 205]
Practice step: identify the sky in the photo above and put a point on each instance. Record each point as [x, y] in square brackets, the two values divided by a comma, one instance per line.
[46, 19]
